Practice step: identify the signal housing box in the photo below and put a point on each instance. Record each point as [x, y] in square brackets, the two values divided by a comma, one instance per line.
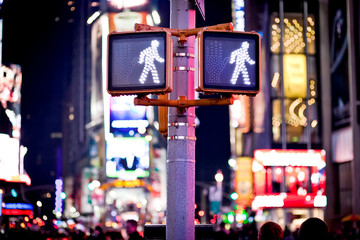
[228, 62]
[139, 63]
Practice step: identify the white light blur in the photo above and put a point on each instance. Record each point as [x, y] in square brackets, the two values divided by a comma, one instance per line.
[129, 123]
[268, 201]
[141, 130]
[93, 17]
[113, 213]
[320, 201]
[301, 176]
[219, 177]
[149, 20]
[231, 218]
[156, 17]
[232, 162]
[96, 183]
[148, 138]
[315, 178]
[39, 204]
[292, 179]
[156, 125]
[112, 194]
[120, 4]
[257, 167]
[301, 191]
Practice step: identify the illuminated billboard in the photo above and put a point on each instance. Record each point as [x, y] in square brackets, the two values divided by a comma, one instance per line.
[127, 158]
[301, 172]
[295, 79]
[124, 115]
[11, 156]
[10, 99]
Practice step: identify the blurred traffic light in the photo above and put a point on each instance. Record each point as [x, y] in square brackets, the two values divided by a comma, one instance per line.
[229, 62]
[139, 63]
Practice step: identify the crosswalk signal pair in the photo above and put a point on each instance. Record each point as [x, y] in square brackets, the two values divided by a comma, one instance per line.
[226, 62]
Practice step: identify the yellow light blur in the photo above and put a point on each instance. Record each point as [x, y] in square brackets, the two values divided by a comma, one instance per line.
[141, 130]
[314, 123]
[148, 138]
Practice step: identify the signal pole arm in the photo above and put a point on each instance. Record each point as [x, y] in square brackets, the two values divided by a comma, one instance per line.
[184, 33]
[182, 103]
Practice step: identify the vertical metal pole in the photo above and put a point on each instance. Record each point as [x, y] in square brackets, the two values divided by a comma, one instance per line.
[180, 212]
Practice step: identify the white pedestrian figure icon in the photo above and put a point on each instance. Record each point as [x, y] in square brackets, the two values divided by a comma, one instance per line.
[147, 56]
[239, 57]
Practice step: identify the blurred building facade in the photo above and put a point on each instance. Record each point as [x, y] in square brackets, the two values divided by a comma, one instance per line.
[113, 156]
[309, 82]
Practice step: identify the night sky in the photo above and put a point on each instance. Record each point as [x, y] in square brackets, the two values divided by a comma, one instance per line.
[35, 37]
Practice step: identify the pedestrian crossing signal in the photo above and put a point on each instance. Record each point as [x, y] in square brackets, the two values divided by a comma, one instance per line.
[139, 63]
[228, 62]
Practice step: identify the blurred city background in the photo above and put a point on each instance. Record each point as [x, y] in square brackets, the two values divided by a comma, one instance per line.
[72, 154]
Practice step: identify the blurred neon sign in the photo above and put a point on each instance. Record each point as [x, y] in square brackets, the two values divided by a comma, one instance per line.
[58, 199]
[123, 4]
[276, 157]
[17, 209]
[285, 200]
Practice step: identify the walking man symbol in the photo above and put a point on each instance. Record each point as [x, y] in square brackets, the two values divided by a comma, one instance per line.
[148, 56]
[239, 57]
